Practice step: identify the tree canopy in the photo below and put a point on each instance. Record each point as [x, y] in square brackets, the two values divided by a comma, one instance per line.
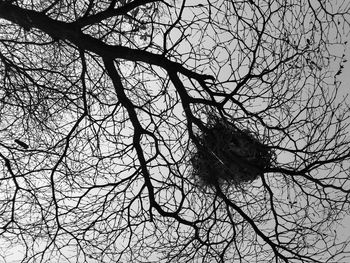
[108, 108]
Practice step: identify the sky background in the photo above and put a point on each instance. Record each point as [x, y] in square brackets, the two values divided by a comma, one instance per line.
[345, 79]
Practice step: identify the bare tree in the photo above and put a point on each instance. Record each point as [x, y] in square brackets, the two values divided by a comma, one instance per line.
[105, 107]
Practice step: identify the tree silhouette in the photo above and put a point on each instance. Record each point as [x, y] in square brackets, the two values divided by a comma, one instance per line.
[115, 98]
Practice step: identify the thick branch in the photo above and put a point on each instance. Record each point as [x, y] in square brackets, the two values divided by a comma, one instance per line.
[71, 32]
[123, 10]
[117, 83]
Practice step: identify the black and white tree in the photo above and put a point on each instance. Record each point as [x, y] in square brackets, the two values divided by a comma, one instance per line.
[174, 131]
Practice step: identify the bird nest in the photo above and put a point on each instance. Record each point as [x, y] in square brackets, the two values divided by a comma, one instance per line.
[226, 154]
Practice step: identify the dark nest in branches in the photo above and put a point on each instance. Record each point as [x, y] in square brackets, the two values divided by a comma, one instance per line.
[226, 154]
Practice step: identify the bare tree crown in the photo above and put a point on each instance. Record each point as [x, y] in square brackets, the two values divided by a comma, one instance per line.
[173, 131]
